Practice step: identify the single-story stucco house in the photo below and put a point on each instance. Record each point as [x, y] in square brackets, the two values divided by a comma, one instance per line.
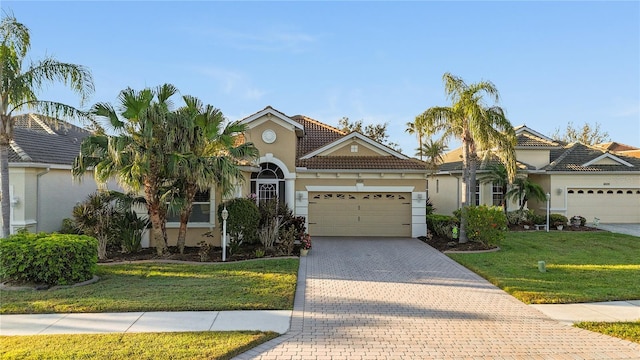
[343, 184]
[590, 181]
[42, 190]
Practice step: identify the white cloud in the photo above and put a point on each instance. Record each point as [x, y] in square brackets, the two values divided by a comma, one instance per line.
[269, 40]
[233, 83]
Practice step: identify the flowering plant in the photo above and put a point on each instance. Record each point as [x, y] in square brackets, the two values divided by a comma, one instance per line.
[306, 242]
[252, 196]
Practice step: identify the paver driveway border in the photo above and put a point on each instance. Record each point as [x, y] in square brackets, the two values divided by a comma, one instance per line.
[401, 299]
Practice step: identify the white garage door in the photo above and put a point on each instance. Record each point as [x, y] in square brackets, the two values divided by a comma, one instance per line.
[360, 214]
[608, 205]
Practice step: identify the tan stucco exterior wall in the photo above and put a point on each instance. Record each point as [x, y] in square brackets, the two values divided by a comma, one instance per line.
[345, 150]
[284, 146]
[537, 158]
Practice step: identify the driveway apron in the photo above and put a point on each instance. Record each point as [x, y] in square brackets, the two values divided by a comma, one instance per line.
[388, 298]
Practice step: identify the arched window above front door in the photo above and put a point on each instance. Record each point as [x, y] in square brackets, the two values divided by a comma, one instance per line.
[268, 183]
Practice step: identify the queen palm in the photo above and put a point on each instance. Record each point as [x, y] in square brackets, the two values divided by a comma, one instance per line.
[139, 155]
[433, 152]
[19, 87]
[478, 126]
[208, 154]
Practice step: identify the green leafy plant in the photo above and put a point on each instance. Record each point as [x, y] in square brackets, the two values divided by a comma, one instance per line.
[52, 259]
[69, 227]
[486, 224]
[558, 220]
[259, 253]
[442, 225]
[243, 220]
[95, 217]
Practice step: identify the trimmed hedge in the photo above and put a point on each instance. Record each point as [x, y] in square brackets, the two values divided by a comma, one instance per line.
[442, 225]
[52, 259]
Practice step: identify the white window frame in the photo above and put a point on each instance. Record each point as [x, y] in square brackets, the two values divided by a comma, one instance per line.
[212, 214]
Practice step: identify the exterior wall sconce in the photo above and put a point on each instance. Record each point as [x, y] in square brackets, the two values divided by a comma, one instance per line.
[559, 191]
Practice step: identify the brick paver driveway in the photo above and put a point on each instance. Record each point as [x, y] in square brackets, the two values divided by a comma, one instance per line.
[401, 299]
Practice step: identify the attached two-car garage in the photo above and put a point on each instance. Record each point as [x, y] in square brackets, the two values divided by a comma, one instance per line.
[360, 214]
[621, 205]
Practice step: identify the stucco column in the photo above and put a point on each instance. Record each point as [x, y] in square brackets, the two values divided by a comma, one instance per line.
[290, 193]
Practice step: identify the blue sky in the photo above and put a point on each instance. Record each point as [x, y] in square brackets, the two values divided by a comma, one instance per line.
[553, 62]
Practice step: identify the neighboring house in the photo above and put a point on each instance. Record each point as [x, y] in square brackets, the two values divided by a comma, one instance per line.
[343, 184]
[620, 149]
[42, 189]
[581, 180]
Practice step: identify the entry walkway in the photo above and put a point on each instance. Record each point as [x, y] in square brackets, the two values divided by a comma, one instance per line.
[400, 299]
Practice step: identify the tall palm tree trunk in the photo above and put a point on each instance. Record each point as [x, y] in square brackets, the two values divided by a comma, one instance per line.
[156, 218]
[466, 193]
[185, 213]
[4, 187]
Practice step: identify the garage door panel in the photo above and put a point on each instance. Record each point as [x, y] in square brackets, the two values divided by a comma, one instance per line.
[360, 214]
[608, 205]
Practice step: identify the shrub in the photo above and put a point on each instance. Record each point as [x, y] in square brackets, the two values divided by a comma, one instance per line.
[578, 220]
[69, 227]
[538, 219]
[243, 220]
[129, 228]
[430, 209]
[558, 219]
[442, 225]
[94, 217]
[52, 259]
[486, 224]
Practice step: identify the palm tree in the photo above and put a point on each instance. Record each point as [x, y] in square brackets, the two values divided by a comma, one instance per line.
[139, 155]
[210, 155]
[524, 189]
[497, 175]
[19, 91]
[478, 127]
[412, 129]
[433, 152]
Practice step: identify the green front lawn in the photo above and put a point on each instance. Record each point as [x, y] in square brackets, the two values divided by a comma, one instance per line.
[623, 330]
[253, 285]
[186, 345]
[581, 266]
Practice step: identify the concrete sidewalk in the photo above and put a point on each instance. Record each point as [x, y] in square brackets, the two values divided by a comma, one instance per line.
[136, 322]
[610, 311]
[262, 320]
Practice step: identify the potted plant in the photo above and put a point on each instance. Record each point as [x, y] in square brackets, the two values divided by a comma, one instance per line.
[558, 220]
[305, 244]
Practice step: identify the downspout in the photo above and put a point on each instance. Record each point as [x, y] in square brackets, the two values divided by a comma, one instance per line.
[38, 176]
[458, 205]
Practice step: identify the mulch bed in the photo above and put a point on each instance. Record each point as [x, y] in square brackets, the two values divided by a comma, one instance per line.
[191, 253]
[444, 244]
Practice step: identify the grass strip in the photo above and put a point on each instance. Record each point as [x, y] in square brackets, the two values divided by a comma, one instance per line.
[254, 285]
[581, 266]
[623, 330]
[175, 346]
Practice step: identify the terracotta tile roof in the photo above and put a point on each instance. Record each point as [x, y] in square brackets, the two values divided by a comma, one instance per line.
[316, 135]
[573, 156]
[615, 146]
[38, 142]
[361, 163]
